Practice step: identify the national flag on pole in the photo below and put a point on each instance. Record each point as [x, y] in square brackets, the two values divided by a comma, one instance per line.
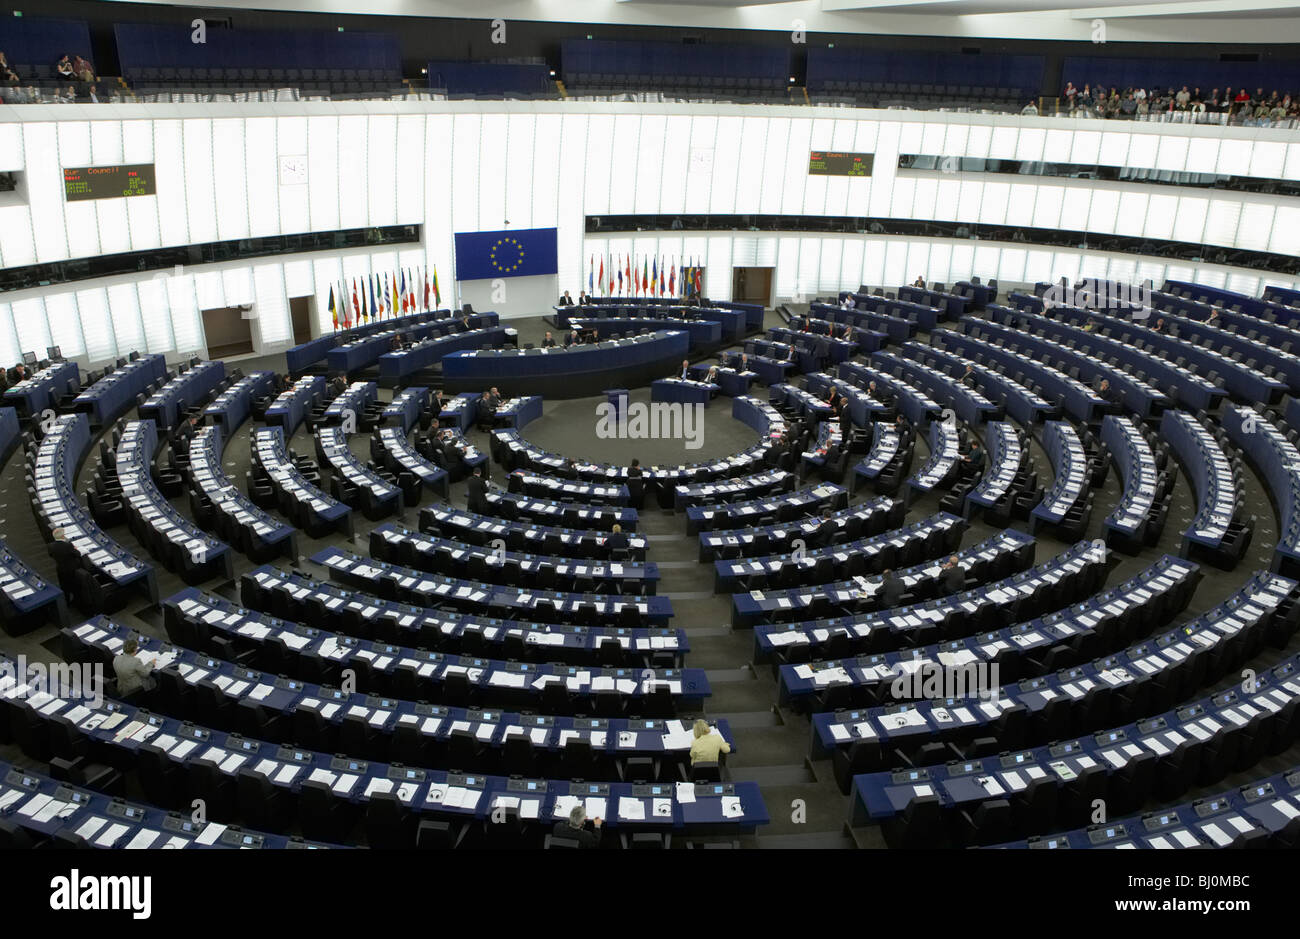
[437, 296]
[426, 290]
[601, 279]
[698, 278]
[620, 278]
[402, 290]
[672, 281]
[662, 269]
[629, 273]
[591, 273]
[654, 277]
[645, 274]
[410, 287]
[334, 314]
[393, 310]
[356, 305]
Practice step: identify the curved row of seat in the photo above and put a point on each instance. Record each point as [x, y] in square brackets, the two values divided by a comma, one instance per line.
[989, 800]
[217, 504]
[898, 548]
[1103, 622]
[488, 565]
[280, 478]
[169, 536]
[989, 559]
[1144, 679]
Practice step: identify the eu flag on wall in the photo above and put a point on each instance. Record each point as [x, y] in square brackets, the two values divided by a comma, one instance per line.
[527, 252]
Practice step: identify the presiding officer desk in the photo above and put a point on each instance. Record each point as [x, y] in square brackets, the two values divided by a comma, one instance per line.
[568, 373]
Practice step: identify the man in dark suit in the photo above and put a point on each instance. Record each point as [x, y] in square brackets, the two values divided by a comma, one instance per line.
[548, 341]
[476, 491]
[972, 464]
[825, 532]
[575, 829]
[493, 400]
[572, 339]
[1110, 394]
[953, 577]
[565, 300]
[686, 370]
[891, 589]
[846, 420]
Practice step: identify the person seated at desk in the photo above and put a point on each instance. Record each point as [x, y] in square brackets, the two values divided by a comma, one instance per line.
[952, 577]
[919, 282]
[565, 300]
[1088, 327]
[830, 330]
[847, 303]
[575, 829]
[18, 374]
[972, 463]
[338, 385]
[686, 370]
[464, 325]
[707, 747]
[1111, 395]
[825, 531]
[586, 299]
[806, 325]
[617, 541]
[711, 376]
[847, 335]
[1213, 319]
[436, 404]
[132, 674]
[968, 378]
[1159, 325]
[634, 470]
[476, 491]
[892, 589]
[573, 339]
[182, 434]
[548, 341]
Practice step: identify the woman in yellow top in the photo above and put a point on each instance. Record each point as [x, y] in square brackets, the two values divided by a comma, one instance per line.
[707, 747]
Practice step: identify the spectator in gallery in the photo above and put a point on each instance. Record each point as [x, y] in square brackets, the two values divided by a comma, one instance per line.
[64, 68]
[1182, 99]
[1070, 94]
[1128, 107]
[92, 95]
[7, 74]
[1030, 108]
[69, 95]
[82, 69]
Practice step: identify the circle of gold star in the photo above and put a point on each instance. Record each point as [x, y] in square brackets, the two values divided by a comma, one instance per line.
[505, 266]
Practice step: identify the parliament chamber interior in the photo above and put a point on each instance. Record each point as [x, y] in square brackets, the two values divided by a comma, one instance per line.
[667, 432]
